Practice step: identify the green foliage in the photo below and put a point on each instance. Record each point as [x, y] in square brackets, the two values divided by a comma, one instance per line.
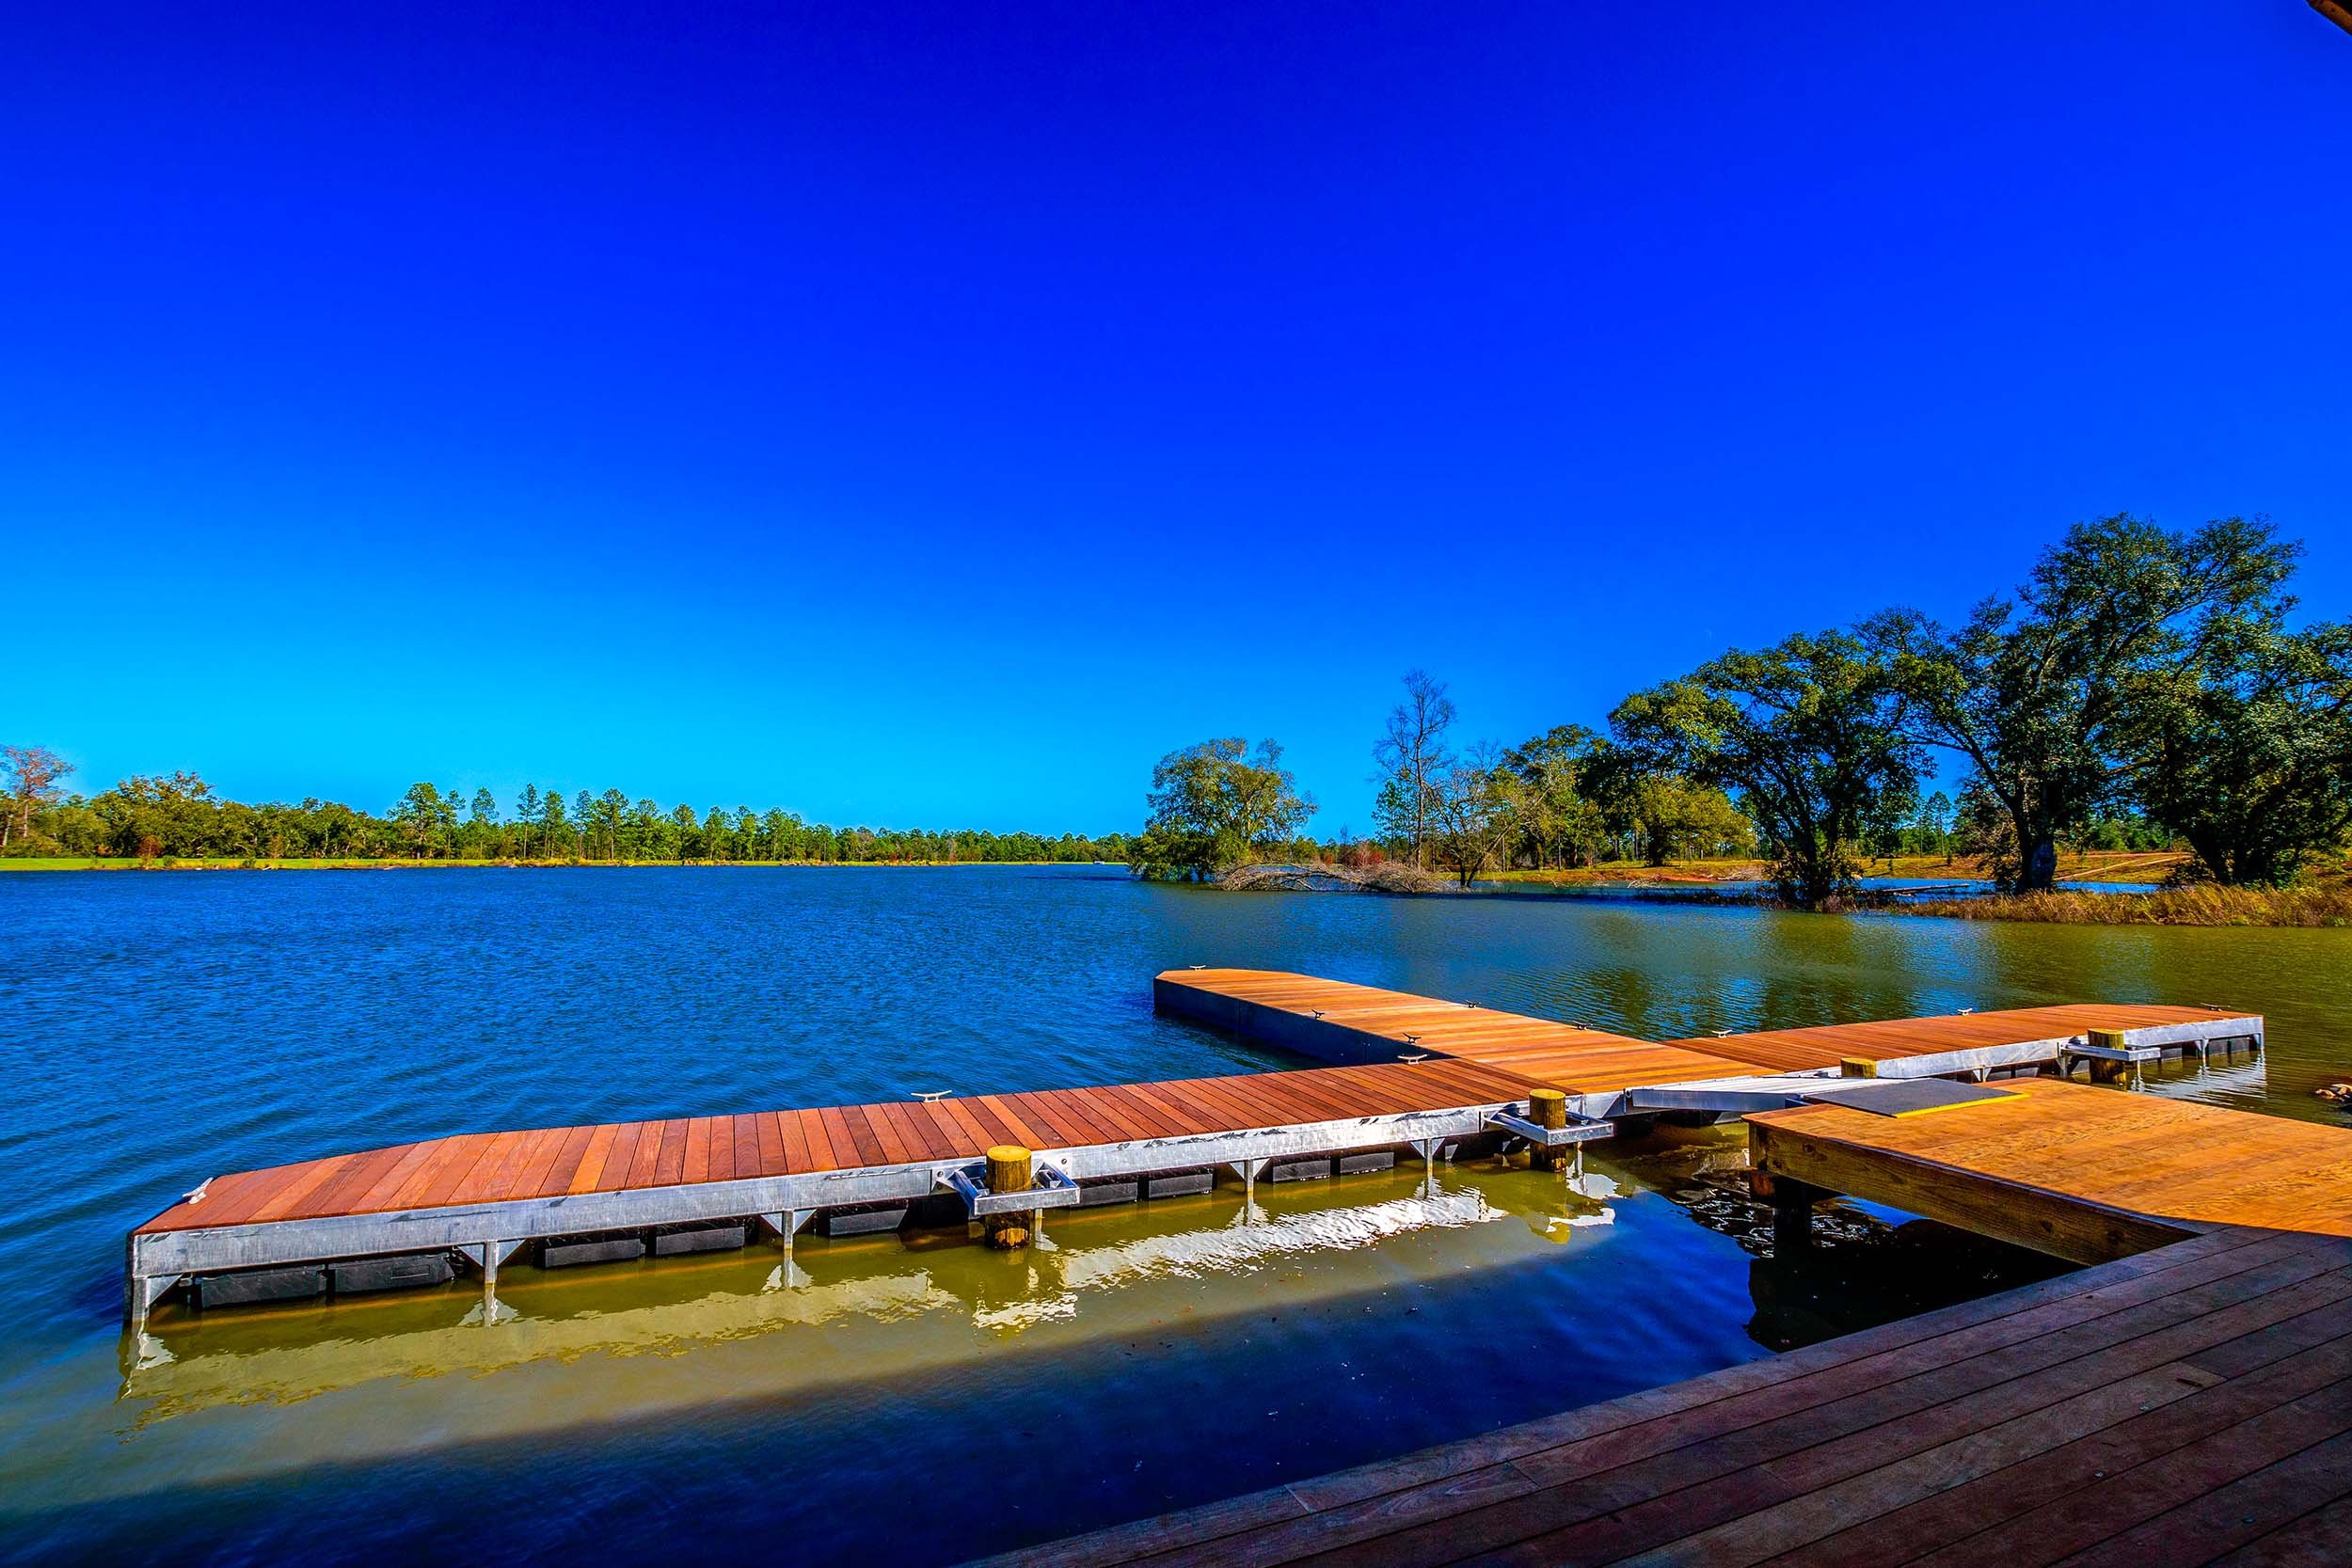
[2031, 691]
[180, 818]
[1215, 805]
[1552, 779]
[2245, 750]
[1810, 733]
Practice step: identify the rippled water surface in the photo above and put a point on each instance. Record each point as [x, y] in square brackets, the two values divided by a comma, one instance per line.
[854, 1402]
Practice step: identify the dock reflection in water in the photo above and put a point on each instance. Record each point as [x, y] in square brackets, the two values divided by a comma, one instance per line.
[873, 1308]
[662, 1306]
[1342, 1320]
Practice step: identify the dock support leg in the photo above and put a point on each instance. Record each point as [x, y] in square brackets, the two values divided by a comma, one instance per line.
[1792, 1204]
[142, 1293]
[1010, 1170]
[1427, 1148]
[488, 1256]
[1248, 1170]
[787, 1224]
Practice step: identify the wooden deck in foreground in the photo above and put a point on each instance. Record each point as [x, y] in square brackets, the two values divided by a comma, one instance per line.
[2081, 1173]
[2187, 1405]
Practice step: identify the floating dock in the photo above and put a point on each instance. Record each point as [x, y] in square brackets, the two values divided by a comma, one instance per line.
[1419, 1078]
[2187, 1398]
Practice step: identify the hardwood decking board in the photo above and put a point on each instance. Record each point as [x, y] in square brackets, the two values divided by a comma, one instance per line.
[721, 1164]
[1139, 1111]
[902, 1144]
[362, 1174]
[556, 1175]
[803, 1136]
[1765, 1468]
[479, 1160]
[644, 1151]
[1066, 1118]
[2313, 1540]
[412, 1159]
[1376, 1497]
[1628, 1489]
[1988, 1501]
[1017, 1127]
[970, 1130]
[992, 1121]
[750, 1159]
[2133, 1524]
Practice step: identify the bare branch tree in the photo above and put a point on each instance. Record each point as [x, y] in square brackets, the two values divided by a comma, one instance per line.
[1411, 753]
[32, 772]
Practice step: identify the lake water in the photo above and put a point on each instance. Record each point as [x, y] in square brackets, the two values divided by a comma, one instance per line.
[855, 1404]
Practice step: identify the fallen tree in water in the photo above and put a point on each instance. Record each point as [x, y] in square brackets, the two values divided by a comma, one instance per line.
[1325, 877]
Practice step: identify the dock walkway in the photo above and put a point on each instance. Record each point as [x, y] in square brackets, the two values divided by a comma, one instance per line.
[1419, 1075]
[2186, 1399]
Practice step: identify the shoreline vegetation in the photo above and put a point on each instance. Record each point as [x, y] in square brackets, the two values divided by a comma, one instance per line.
[1968, 894]
[2153, 695]
[2148, 709]
[397, 863]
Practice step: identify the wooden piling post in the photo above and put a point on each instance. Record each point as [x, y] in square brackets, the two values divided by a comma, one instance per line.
[1009, 1171]
[1858, 1066]
[2107, 1040]
[1792, 1204]
[1546, 1108]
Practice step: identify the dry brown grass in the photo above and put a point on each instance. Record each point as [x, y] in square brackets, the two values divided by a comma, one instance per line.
[2317, 904]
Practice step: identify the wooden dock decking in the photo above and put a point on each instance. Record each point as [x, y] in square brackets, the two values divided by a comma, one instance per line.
[2074, 1171]
[1481, 1058]
[2187, 1405]
[2205, 1364]
[2188, 1399]
[1336, 1021]
[478, 1168]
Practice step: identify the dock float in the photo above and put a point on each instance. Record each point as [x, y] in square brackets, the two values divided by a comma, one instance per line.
[1415, 1077]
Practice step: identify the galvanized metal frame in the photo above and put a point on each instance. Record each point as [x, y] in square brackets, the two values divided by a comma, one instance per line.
[157, 1260]
[490, 1232]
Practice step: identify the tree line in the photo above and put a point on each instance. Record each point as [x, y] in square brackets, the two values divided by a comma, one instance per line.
[2141, 688]
[180, 816]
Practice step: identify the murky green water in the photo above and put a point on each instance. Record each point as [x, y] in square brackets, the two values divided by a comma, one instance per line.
[171, 1026]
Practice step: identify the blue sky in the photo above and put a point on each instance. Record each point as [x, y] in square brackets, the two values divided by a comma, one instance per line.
[931, 415]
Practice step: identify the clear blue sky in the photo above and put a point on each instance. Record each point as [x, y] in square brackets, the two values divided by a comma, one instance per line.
[932, 414]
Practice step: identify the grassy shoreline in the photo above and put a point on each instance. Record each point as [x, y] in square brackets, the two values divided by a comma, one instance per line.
[2142, 867]
[2321, 904]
